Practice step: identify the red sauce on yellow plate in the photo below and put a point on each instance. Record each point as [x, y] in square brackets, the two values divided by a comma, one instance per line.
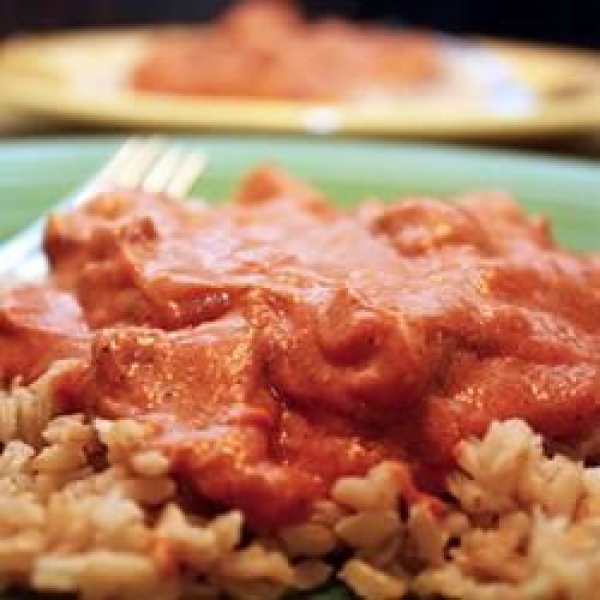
[264, 49]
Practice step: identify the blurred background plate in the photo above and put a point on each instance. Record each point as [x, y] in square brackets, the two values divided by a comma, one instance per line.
[82, 77]
[34, 174]
[12, 121]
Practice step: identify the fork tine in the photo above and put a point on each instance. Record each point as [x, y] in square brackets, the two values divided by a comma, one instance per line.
[139, 163]
[190, 169]
[174, 173]
[131, 167]
[120, 158]
[157, 179]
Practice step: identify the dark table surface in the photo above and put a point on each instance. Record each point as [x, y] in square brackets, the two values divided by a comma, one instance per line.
[574, 22]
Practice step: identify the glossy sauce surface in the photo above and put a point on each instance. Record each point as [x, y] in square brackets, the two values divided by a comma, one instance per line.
[278, 343]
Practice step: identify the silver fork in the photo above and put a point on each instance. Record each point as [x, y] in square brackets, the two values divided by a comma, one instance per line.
[141, 163]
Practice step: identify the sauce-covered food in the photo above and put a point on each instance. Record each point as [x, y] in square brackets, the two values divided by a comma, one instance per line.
[277, 344]
[264, 48]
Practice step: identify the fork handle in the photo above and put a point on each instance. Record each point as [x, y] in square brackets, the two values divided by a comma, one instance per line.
[15, 252]
[18, 254]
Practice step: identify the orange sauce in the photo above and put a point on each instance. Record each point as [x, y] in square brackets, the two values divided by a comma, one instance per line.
[277, 343]
[263, 48]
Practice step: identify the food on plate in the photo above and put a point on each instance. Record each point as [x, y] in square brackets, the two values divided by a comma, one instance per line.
[263, 48]
[276, 395]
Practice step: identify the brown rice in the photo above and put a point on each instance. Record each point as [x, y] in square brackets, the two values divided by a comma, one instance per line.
[522, 523]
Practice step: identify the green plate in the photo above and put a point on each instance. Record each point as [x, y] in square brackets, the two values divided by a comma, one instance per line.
[35, 174]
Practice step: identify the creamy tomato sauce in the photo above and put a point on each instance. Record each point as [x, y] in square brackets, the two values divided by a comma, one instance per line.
[264, 48]
[278, 343]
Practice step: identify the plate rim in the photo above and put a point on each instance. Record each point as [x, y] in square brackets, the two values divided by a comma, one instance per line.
[433, 147]
[34, 92]
[562, 189]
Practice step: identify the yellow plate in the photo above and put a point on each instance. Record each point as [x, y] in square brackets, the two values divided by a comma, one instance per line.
[13, 122]
[497, 90]
[18, 123]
